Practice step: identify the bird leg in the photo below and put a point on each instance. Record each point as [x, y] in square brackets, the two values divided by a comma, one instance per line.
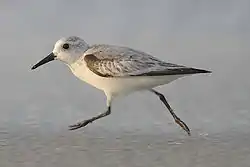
[177, 119]
[87, 121]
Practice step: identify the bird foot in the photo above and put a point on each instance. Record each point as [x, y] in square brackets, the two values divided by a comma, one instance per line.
[183, 125]
[80, 124]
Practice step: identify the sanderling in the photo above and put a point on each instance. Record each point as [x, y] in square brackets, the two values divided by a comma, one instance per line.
[117, 71]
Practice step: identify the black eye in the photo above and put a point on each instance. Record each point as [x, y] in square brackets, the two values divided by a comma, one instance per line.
[65, 46]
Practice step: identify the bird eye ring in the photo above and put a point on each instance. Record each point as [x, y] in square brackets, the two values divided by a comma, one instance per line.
[65, 46]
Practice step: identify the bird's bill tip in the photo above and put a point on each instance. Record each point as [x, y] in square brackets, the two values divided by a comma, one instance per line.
[33, 67]
[207, 71]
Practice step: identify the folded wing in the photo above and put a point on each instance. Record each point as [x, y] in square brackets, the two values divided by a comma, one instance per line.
[114, 61]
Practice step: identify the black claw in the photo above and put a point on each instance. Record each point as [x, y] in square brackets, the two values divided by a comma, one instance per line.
[79, 125]
[183, 125]
[74, 127]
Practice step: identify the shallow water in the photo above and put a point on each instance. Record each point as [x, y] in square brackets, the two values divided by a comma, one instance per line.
[37, 106]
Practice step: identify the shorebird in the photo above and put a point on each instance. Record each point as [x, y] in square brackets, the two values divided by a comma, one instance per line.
[117, 71]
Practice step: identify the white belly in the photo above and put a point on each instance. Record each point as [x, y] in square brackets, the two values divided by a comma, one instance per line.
[121, 85]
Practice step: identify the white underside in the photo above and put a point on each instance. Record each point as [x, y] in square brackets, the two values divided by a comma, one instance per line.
[120, 85]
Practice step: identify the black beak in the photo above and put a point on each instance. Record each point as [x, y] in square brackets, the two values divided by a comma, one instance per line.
[47, 59]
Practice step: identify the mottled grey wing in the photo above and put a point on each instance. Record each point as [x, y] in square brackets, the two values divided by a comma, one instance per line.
[113, 61]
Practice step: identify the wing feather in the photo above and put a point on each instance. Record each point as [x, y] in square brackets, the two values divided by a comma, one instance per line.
[114, 61]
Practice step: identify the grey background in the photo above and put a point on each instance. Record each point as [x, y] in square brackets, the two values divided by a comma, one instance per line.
[37, 106]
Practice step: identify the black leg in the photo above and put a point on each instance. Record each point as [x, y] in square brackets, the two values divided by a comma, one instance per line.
[177, 119]
[86, 122]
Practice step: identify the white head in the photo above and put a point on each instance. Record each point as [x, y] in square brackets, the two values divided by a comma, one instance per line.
[67, 50]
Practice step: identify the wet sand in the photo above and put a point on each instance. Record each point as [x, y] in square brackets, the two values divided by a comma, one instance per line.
[109, 149]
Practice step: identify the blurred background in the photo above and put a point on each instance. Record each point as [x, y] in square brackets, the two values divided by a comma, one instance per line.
[37, 106]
